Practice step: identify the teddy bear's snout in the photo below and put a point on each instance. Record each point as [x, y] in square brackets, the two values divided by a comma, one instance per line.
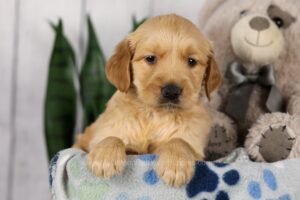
[259, 23]
[256, 39]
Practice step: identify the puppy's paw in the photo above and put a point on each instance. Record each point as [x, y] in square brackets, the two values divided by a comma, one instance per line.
[108, 158]
[174, 169]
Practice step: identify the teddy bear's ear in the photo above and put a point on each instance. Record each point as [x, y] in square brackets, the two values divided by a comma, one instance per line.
[209, 7]
[213, 77]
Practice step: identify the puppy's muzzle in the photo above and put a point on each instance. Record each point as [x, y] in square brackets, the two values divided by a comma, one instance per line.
[171, 92]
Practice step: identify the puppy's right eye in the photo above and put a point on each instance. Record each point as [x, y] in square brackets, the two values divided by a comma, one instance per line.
[192, 62]
[151, 60]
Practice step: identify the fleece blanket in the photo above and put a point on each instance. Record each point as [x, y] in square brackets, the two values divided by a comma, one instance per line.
[233, 177]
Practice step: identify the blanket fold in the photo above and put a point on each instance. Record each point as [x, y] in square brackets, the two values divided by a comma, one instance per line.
[233, 177]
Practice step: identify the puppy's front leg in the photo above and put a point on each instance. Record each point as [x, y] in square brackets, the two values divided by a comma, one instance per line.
[176, 162]
[107, 158]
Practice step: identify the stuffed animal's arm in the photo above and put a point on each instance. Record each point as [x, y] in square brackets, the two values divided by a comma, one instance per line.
[293, 104]
[223, 135]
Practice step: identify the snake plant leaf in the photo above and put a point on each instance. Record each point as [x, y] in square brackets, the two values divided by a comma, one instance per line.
[60, 102]
[136, 23]
[95, 90]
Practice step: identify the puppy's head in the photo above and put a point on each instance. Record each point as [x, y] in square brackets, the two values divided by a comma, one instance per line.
[165, 62]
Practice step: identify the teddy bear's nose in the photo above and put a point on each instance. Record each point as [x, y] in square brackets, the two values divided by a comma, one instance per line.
[259, 23]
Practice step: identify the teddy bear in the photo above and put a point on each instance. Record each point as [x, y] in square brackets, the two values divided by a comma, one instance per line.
[256, 45]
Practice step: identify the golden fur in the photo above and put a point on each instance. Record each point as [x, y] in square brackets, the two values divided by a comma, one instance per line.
[135, 121]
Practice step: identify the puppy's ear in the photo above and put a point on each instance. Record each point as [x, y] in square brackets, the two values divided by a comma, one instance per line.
[212, 77]
[118, 69]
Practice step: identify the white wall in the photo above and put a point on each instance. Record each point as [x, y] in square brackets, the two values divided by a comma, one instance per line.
[26, 40]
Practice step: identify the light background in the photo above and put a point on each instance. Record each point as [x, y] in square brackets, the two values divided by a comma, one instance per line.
[26, 41]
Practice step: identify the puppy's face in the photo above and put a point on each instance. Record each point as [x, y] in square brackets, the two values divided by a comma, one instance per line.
[166, 61]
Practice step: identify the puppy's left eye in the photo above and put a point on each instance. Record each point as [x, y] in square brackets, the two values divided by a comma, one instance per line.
[192, 62]
[151, 59]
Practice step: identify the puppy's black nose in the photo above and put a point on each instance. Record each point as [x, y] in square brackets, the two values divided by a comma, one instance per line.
[171, 92]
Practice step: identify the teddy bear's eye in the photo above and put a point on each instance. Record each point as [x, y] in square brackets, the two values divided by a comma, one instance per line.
[151, 59]
[192, 62]
[278, 21]
[243, 13]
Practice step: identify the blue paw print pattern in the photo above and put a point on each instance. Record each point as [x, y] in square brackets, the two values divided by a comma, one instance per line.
[150, 177]
[222, 196]
[285, 197]
[148, 157]
[144, 198]
[231, 177]
[206, 180]
[53, 163]
[254, 190]
[124, 196]
[220, 165]
[270, 179]
[254, 187]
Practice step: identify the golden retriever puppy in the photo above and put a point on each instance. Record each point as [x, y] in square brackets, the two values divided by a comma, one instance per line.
[159, 71]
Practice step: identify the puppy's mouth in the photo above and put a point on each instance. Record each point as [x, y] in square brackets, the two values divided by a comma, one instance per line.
[258, 45]
[169, 105]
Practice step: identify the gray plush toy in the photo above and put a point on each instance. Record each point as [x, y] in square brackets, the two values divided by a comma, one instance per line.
[257, 48]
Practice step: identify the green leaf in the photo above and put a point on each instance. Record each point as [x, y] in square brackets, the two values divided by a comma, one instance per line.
[136, 24]
[60, 102]
[95, 88]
